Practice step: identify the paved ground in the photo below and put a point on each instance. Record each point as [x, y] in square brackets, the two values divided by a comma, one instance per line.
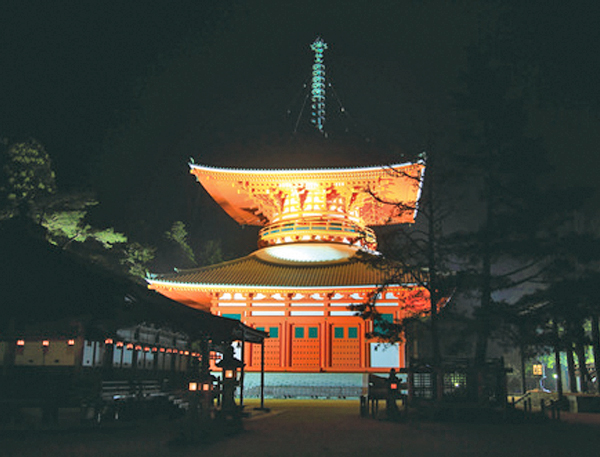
[320, 428]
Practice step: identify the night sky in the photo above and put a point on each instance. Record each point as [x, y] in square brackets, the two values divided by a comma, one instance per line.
[123, 93]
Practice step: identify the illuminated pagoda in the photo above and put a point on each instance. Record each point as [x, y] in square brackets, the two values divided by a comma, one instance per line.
[300, 282]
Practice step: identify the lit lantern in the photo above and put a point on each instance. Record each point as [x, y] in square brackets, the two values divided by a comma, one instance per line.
[71, 342]
[229, 364]
[21, 343]
[108, 341]
[119, 344]
[193, 386]
[46, 343]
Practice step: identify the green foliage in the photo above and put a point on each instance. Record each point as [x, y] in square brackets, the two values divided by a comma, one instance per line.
[70, 226]
[137, 258]
[212, 252]
[178, 234]
[28, 175]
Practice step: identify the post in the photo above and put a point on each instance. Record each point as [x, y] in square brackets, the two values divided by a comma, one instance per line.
[262, 374]
[243, 357]
[543, 406]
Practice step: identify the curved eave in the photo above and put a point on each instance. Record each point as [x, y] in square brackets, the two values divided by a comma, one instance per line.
[259, 270]
[300, 171]
[229, 188]
[156, 284]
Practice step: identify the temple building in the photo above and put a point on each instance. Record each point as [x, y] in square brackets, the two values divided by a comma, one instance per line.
[299, 283]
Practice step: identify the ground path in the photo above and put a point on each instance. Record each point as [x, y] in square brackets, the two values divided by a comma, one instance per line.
[320, 428]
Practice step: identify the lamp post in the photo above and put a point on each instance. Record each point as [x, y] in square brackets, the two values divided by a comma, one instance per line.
[196, 425]
[230, 365]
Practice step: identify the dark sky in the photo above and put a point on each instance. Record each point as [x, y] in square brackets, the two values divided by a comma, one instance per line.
[122, 93]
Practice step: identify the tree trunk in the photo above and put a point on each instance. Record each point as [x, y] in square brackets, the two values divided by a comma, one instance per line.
[571, 368]
[523, 378]
[583, 371]
[483, 327]
[483, 318]
[557, 364]
[596, 348]
[434, 295]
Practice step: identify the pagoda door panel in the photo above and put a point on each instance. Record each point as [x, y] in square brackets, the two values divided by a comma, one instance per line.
[345, 347]
[272, 354]
[306, 347]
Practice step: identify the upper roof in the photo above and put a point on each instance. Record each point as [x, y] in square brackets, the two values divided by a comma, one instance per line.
[377, 195]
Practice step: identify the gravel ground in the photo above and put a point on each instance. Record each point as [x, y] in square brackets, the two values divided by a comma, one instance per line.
[313, 428]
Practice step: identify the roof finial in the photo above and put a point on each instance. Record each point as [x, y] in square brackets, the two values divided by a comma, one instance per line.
[318, 85]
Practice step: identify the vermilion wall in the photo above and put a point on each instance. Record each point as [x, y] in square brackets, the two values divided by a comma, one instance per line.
[316, 333]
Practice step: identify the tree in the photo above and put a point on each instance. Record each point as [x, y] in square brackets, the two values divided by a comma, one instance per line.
[416, 250]
[510, 172]
[562, 313]
[212, 252]
[28, 189]
[27, 176]
[137, 258]
[178, 234]
[64, 217]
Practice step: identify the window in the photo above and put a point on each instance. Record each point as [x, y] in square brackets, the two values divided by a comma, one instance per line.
[274, 332]
[299, 332]
[385, 318]
[237, 317]
[353, 332]
[313, 332]
[385, 356]
[338, 332]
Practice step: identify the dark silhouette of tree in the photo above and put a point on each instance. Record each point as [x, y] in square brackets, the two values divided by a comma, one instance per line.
[418, 251]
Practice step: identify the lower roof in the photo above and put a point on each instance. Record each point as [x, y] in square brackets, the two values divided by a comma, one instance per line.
[262, 269]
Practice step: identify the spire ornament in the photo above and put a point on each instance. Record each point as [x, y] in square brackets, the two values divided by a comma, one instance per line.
[318, 85]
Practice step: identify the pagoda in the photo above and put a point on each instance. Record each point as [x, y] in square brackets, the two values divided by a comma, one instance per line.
[310, 264]
[316, 258]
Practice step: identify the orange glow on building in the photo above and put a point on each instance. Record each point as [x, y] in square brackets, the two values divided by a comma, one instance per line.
[306, 273]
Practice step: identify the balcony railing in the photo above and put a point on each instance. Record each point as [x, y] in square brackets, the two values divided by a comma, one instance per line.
[317, 230]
